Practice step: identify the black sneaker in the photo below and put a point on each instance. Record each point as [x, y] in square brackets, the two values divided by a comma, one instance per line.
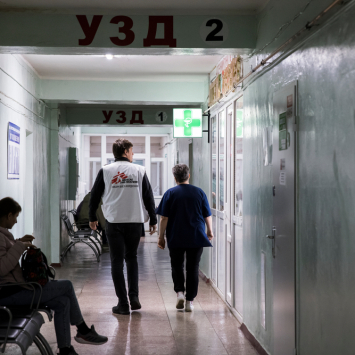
[121, 309]
[135, 304]
[90, 338]
[71, 351]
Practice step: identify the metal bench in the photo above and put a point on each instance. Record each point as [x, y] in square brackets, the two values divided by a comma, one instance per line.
[21, 324]
[85, 236]
[85, 226]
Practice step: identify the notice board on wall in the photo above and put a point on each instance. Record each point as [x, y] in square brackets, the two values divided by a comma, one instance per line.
[13, 152]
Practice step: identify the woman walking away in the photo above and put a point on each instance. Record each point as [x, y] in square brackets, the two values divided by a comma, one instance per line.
[57, 295]
[184, 210]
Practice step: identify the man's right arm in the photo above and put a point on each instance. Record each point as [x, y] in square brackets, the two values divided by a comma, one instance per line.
[96, 194]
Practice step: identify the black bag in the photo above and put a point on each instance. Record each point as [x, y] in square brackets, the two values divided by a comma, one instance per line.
[35, 267]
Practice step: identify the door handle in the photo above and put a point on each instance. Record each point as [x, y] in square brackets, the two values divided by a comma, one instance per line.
[272, 237]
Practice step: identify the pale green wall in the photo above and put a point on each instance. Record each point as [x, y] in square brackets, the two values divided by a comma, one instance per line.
[324, 67]
[67, 137]
[14, 87]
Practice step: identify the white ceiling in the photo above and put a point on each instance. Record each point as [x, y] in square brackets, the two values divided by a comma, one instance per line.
[196, 7]
[133, 68]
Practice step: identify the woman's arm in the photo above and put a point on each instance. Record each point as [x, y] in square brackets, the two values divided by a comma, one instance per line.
[162, 228]
[208, 221]
[10, 258]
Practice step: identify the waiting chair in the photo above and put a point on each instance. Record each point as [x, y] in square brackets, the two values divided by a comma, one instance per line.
[85, 226]
[21, 325]
[85, 236]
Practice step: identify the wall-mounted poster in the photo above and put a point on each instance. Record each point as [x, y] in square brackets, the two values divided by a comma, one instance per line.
[13, 152]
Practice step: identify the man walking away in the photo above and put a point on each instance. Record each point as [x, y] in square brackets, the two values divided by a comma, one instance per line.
[127, 202]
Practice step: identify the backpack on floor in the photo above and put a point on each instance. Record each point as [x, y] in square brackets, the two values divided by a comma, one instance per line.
[35, 267]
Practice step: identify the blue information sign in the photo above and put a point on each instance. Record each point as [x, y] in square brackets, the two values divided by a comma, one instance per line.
[13, 152]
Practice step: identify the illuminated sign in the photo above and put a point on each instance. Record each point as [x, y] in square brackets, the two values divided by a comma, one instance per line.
[187, 122]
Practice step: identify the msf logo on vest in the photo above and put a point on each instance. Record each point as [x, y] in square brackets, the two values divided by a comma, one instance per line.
[119, 178]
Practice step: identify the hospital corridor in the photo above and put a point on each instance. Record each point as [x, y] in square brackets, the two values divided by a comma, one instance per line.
[177, 178]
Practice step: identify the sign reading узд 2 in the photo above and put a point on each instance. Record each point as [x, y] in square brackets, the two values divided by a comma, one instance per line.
[187, 122]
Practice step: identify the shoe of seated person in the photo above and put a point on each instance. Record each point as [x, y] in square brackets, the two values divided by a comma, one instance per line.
[121, 309]
[135, 304]
[189, 307]
[71, 351]
[91, 338]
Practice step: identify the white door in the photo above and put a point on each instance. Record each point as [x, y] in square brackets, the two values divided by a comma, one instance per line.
[214, 154]
[228, 206]
[237, 204]
[221, 197]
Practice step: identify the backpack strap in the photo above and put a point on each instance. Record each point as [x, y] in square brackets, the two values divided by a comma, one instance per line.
[23, 258]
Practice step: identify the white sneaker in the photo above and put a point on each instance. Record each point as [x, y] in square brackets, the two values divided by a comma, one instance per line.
[189, 307]
[180, 300]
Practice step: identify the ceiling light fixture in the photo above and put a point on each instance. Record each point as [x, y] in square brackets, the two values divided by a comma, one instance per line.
[109, 56]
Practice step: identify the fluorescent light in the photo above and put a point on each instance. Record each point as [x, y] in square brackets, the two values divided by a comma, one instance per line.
[109, 56]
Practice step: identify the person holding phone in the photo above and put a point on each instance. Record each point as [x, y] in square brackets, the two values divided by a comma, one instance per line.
[57, 295]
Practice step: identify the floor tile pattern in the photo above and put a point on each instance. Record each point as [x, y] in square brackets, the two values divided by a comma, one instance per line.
[158, 328]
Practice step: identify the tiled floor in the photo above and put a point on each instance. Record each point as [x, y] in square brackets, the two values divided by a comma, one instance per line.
[158, 328]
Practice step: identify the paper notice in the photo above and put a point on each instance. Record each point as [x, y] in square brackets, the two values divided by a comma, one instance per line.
[282, 179]
[282, 164]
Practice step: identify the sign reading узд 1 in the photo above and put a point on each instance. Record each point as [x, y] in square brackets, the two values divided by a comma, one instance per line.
[187, 122]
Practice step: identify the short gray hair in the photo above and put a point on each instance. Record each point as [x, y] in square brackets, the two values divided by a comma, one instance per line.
[181, 172]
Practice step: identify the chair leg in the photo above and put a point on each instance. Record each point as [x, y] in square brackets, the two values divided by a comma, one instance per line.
[40, 347]
[93, 242]
[67, 248]
[98, 240]
[45, 344]
[94, 249]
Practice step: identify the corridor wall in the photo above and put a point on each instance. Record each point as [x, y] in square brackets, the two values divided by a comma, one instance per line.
[324, 68]
[18, 105]
[68, 137]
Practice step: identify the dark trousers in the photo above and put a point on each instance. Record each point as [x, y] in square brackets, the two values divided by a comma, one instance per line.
[58, 296]
[193, 257]
[104, 238]
[123, 239]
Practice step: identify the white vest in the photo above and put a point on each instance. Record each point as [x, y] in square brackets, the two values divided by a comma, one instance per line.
[122, 201]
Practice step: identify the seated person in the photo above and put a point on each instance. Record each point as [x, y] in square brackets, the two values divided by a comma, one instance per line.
[57, 295]
[82, 217]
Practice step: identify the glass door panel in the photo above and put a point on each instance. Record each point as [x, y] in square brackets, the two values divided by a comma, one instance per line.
[157, 177]
[221, 237]
[214, 162]
[137, 141]
[221, 160]
[227, 210]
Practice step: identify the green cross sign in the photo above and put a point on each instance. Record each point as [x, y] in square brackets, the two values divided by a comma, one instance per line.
[187, 123]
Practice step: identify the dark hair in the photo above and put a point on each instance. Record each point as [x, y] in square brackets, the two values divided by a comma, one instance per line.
[120, 146]
[181, 172]
[9, 205]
